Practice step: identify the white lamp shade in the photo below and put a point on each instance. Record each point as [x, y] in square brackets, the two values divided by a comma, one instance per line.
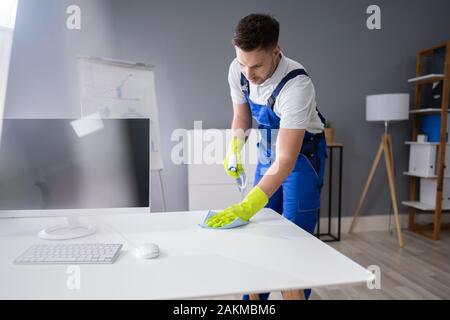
[387, 107]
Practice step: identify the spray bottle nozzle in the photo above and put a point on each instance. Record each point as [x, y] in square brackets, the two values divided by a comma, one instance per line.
[242, 179]
[242, 182]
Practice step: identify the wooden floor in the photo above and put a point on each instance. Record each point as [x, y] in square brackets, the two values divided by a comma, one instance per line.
[421, 270]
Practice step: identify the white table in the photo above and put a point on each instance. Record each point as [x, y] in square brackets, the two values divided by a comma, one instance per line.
[269, 254]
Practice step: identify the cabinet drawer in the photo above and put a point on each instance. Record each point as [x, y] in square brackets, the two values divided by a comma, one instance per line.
[199, 174]
[204, 197]
[206, 150]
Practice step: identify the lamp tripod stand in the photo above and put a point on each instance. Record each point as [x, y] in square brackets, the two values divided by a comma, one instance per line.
[385, 148]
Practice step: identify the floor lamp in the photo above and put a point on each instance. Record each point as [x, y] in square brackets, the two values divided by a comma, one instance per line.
[385, 108]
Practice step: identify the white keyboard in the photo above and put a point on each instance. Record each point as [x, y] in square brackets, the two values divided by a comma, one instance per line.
[92, 253]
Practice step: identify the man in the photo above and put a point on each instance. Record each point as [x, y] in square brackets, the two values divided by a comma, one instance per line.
[278, 93]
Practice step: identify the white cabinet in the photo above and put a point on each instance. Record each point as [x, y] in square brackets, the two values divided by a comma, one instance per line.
[428, 192]
[423, 159]
[209, 187]
[423, 164]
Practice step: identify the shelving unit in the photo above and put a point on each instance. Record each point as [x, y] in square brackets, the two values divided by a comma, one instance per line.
[426, 111]
[432, 143]
[412, 174]
[416, 112]
[421, 206]
[429, 78]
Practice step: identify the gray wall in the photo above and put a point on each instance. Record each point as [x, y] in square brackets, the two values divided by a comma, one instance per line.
[189, 43]
[43, 79]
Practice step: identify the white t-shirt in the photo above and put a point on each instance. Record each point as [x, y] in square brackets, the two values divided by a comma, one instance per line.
[296, 102]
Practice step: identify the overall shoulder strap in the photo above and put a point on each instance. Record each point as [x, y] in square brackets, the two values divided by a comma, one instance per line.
[291, 75]
[245, 87]
[322, 118]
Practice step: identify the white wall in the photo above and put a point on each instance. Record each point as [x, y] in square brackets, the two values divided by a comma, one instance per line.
[43, 80]
[8, 10]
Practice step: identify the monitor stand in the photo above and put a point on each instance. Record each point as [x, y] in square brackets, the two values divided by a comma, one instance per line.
[73, 229]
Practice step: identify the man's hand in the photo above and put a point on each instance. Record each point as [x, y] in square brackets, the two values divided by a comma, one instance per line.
[242, 122]
[233, 158]
[255, 200]
[223, 218]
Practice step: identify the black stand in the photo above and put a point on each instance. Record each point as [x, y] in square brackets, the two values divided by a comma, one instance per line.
[329, 236]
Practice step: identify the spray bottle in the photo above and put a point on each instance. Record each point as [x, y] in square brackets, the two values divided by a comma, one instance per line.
[242, 179]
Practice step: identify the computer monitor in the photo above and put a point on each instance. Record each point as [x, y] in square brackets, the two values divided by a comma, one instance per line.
[68, 167]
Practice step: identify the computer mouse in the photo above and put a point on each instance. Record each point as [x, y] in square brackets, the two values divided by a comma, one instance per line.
[147, 251]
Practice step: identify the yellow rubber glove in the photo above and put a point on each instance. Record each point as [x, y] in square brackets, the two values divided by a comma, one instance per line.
[233, 158]
[255, 200]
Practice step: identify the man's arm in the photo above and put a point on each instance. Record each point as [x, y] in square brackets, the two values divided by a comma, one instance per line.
[288, 149]
[242, 121]
[289, 144]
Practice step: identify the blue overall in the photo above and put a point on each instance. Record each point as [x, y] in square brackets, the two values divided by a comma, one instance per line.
[298, 198]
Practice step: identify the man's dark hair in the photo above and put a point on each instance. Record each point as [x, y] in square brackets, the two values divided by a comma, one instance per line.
[256, 31]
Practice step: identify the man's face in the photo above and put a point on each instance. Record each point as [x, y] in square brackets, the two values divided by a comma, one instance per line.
[257, 65]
